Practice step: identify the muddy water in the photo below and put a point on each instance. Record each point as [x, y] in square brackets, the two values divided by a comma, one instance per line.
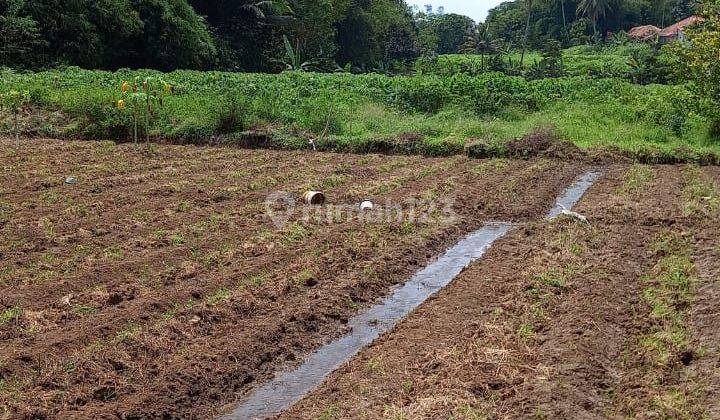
[288, 387]
[574, 193]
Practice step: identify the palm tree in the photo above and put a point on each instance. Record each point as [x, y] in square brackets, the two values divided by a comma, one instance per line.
[593, 10]
[485, 44]
[527, 30]
[562, 7]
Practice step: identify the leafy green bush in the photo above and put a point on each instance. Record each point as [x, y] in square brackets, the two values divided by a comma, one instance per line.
[375, 113]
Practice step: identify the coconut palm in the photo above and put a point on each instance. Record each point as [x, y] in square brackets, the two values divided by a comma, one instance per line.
[593, 10]
[527, 30]
[562, 7]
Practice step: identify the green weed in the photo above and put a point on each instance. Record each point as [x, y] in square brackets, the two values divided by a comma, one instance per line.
[221, 295]
[127, 333]
[10, 315]
[294, 233]
[525, 331]
[635, 179]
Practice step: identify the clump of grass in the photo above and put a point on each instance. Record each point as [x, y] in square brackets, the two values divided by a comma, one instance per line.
[333, 181]
[183, 206]
[221, 295]
[177, 239]
[374, 365]
[254, 280]
[10, 315]
[525, 332]
[171, 312]
[306, 277]
[127, 333]
[635, 179]
[330, 413]
[700, 196]
[557, 277]
[386, 187]
[494, 164]
[113, 253]
[670, 288]
[406, 228]
[294, 233]
[84, 309]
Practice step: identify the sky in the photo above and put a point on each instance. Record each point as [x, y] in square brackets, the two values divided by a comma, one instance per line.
[476, 9]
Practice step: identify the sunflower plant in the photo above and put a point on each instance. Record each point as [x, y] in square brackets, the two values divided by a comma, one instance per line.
[142, 97]
[15, 101]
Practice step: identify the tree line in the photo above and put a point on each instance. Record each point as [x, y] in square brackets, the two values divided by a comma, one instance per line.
[271, 35]
[574, 22]
[246, 35]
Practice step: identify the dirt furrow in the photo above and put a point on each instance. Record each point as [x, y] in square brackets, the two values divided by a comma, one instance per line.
[558, 320]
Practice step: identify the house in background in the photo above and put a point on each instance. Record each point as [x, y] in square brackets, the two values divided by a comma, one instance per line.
[647, 33]
[676, 32]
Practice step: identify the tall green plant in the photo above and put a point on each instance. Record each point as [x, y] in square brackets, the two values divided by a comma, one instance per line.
[142, 98]
[527, 30]
[15, 101]
[292, 55]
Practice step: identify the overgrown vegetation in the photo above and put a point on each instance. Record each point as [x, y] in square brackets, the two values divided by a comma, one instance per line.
[428, 114]
[14, 101]
[247, 35]
[654, 105]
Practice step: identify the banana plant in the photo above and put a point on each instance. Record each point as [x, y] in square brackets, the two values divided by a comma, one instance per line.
[142, 97]
[15, 101]
[292, 55]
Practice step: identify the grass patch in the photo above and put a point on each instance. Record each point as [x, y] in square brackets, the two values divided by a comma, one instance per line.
[293, 234]
[220, 296]
[491, 165]
[557, 277]
[431, 114]
[254, 280]
[700, 196]
[526, 332]
[658, 355]
[670, 290]
[127, 333]
[635, 179]
[10, 315]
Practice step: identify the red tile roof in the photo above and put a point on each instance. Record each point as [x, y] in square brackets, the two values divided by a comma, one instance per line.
[643, 32]
[672, 30]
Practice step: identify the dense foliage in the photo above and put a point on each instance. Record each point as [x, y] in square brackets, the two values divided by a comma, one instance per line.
[360, 112]
[438, 79]
[325, 35]
[699, 61]
[172, 34]
[162, 34]
[574, 22]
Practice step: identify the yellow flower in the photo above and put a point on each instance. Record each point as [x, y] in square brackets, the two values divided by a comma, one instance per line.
[121, 104]
[125, 87]
[168, 88]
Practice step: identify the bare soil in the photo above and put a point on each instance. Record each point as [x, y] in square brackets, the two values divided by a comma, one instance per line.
[555, 320]
[157, 287]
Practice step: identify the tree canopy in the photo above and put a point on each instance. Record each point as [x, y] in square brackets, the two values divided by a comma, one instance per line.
[249, 35]
[575, 21]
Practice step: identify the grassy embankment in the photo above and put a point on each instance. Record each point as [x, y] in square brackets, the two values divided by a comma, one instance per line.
[428, 114]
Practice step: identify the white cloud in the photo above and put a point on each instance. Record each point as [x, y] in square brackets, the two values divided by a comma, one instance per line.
[476, 9]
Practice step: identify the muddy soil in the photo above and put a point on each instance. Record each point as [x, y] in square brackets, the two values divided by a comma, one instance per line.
[156, 285]
[556, 320]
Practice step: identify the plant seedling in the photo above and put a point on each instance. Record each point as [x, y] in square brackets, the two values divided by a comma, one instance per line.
[15, 101]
